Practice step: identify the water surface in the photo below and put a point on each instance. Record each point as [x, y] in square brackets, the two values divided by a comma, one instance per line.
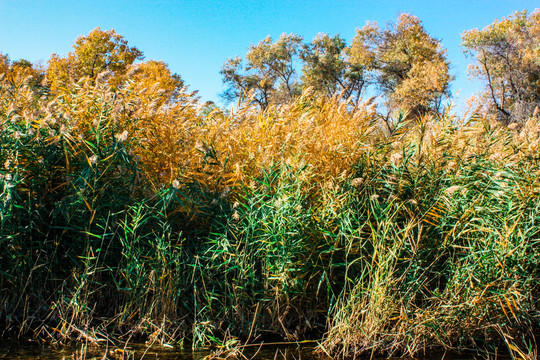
[31, 350]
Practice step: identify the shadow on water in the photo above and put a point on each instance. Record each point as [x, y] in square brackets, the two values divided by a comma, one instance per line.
[35, 351]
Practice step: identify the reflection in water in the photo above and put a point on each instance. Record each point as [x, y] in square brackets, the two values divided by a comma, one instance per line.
[33, 351]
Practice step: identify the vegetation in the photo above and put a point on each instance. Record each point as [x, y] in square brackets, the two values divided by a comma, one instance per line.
[128, 211]
[507, 57]
[269, 75]
[404, 62]
[410, 66]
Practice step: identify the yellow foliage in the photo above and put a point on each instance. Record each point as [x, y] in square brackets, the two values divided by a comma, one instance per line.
[410, 66]
[507, 55]
[99, 53]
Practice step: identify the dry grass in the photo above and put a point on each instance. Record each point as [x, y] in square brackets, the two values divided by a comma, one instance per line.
[191, 225]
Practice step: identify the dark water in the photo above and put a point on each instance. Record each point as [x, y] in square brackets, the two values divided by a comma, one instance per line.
[31, 351]
[35, 351]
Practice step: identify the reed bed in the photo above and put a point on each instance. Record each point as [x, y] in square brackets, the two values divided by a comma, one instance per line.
[128, 218]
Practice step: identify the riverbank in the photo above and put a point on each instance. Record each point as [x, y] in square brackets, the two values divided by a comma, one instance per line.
[311, 220]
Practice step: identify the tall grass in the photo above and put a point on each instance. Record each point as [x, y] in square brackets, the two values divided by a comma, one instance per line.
[452, 238]
[123, 217]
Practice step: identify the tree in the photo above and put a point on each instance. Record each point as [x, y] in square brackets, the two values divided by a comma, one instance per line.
[4, 63]
[17, 72]
[241, 83]
[98, 52]
[267, 73]
[507, 55]
[155, 80]
[327, 69]
[408, 65]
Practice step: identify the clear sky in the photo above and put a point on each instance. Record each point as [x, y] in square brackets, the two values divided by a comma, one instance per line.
[196, 37]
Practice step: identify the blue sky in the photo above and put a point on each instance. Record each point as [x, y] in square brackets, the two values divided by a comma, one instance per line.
[196, 37]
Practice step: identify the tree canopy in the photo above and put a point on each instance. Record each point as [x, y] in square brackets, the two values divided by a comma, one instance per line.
[327, 68]
[267, 74]
[17, 72]
[403, 64]
[507, 55]
[100, 51]
[406, 64]
[155, 80]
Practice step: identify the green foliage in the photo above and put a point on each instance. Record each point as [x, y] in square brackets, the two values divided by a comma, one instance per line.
[129, 211]
[327, 69]
[268, 75]
[403, 61]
